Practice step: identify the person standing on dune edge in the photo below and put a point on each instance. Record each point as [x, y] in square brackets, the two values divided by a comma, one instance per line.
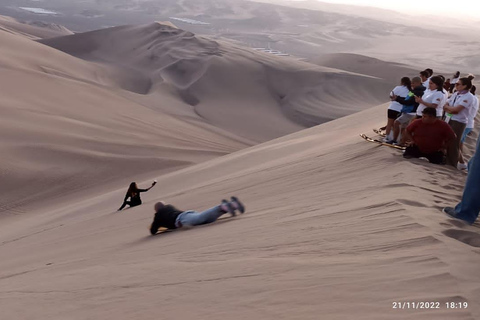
[167, 216]
[133, 193]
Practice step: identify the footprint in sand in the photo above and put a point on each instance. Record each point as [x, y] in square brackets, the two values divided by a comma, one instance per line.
[467, 237]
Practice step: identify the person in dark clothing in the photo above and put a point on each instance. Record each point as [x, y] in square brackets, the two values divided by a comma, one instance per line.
[430, 137]
[169, 217]
[133, 193]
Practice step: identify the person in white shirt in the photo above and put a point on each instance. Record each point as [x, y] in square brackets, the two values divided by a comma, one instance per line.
[455, 78]
[425, 78]
[395, 107]
[433, 97]
[471, 123]
[458, 109]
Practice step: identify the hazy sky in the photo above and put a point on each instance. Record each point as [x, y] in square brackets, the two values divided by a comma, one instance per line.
[463, 8]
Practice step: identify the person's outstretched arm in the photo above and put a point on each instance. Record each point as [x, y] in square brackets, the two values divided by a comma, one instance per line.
[145, 190]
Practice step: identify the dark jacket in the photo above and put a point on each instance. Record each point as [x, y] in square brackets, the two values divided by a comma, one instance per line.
[409, 103]
[166, 217]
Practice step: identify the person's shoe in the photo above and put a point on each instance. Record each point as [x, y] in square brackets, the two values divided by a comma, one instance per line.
[391, 141]
[449, 211]
[228, 207]
[462, 166]
[237, 204]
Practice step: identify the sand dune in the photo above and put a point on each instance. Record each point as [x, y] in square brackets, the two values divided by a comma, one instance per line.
[336, 227]
[34, 29]
[228, 85]
[389, 71]
[65, 125]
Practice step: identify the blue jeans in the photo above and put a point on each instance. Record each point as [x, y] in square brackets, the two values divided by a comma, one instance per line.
[469, 207]
[193, 218]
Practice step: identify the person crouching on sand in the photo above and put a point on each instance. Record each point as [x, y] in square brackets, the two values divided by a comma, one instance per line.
[133, 193]
[395, 108]
[430, 137]
[169, 217]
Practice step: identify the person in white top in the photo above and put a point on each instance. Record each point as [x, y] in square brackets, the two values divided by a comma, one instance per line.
[455, 78]
[434, 97]
[471, 123]
[395, 107]
[458, 109]
[425, 78]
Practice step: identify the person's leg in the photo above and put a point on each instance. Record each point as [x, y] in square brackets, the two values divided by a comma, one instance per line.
[461, 159]
[469, 207]
[453, 149]
[193, 218]
[396, 130]
[412, 152]
[389, 127]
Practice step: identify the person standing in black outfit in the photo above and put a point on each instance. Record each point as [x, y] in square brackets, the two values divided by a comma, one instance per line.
[169, 217]
[133, 193]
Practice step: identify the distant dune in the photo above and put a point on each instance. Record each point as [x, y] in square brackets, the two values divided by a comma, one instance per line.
[33, 29]
[228, 85]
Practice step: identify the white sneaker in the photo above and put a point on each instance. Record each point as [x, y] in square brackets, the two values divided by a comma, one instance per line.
[462, 166]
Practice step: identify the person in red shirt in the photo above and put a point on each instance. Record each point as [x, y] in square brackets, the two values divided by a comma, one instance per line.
[430, 137]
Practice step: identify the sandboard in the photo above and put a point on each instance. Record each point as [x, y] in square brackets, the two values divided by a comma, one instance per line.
[367, 138]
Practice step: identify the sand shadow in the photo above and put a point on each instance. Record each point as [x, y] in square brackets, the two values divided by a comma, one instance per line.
[467, 237]
[162, 233]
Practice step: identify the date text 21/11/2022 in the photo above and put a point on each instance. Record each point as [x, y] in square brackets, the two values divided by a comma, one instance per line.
[429, 305]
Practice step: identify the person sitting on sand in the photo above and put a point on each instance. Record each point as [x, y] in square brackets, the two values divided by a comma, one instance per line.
[408, 111]
[394, 109]
[430, 137]
[169, 217]
[434, 97]
[134, 194]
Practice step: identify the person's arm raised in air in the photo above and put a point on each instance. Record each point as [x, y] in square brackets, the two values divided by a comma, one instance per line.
[145, 190]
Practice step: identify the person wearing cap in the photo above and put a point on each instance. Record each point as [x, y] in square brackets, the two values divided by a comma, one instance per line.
[430, 137]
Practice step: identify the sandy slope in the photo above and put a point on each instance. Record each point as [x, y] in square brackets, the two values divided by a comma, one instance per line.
[336, 228]
[228, 85]
[32, 30]
[64, 125]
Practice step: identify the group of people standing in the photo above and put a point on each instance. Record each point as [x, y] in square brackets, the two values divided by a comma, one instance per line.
[431, 120]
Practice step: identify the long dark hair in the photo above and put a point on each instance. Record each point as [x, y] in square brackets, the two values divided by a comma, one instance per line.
[438, 81]
[132, 188]
[406, 82]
